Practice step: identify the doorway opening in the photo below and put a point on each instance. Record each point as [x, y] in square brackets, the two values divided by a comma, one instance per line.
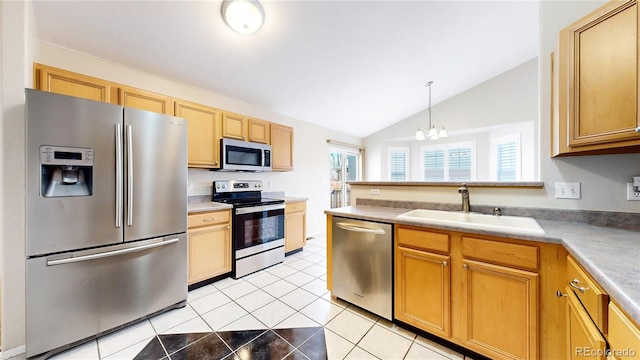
[344, 165]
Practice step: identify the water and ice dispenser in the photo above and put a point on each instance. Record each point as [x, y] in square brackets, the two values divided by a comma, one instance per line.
[66, 171]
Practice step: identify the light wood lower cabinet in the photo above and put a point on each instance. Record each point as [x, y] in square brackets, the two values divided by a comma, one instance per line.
[209, 245]
[480, 293]
[295, 216]
[584, 341]
[624, 335]
[423, 290]
[500, 311]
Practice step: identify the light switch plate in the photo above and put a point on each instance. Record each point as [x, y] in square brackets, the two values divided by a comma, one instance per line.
[567, 190]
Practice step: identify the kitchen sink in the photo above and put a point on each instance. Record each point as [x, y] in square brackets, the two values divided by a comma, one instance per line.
[512, 224]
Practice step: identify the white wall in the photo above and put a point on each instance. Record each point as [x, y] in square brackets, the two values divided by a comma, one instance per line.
[603, 178]
[17, 33]
[508, 98]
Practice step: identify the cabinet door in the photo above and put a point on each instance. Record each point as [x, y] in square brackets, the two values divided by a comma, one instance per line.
[203, 124]
[422, 294]
[209, 252]
[294, 231]
[500, 314]
[145, 100]
[234, 126]
[601, 74]
[259, 131]
[69, 83]
[584, 341]
[624, 335]
[282, 147]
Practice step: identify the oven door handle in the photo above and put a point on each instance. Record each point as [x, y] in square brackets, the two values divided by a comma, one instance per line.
[260, 208]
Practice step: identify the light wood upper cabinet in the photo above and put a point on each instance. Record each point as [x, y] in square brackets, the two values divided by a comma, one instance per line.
[234, 126]
[64, 82]
[145, 100]
[204, 129]
[209, 245]
[295, 236]
[282, 147]
[597, 83]
[259, 131]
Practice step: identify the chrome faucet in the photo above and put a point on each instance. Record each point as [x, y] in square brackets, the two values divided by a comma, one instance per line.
[464, 190]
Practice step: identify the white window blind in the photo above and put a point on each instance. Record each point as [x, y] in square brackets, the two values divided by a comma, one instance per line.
[449, 162]
[506, 158]
[506, 167]
[434, 165]
[398, 164]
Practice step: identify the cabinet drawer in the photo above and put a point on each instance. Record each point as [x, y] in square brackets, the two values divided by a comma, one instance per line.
[514, 255]
[592, 296]
[208, 218]
[295, 207]
[424, 240]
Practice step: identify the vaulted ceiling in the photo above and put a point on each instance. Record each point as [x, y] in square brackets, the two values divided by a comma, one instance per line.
[351, 66]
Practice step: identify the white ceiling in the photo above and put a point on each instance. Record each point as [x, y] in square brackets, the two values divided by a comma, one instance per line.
[352, 66]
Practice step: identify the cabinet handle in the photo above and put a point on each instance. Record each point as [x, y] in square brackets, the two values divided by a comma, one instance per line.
[574, 284]
[465, 266]
[209, 219]
[560, 294]
[444, 263]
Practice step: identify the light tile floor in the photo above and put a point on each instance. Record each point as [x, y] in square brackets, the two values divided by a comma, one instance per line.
[289, 295]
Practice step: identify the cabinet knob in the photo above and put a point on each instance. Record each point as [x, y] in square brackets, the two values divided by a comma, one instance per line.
[560, 294]
[444, 263]
[465, 266]
[638, 129]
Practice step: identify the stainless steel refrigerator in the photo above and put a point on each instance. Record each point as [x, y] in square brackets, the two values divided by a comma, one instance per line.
[106, 218]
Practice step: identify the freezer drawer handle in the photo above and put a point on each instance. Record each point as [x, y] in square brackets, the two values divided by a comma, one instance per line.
[110, 253]
[355, 228]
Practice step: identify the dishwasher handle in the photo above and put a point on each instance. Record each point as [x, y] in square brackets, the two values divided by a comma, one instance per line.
[361, 229]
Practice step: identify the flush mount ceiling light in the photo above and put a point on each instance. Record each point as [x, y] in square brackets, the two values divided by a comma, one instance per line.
[434, 134]
[243, 16]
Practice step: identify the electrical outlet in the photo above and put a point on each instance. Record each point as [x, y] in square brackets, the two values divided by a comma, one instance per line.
[632, 194]
[375, 192]
[566, 190]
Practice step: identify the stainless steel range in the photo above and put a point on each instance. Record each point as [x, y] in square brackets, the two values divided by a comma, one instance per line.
[258, 225]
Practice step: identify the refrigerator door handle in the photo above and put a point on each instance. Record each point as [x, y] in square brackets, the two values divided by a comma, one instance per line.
[119, 179]
[110, 253]
[129, 175]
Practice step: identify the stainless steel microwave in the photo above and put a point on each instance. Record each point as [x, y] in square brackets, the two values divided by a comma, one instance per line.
[236, 155]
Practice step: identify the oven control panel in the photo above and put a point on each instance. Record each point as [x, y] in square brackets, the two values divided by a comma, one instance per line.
[222, 186]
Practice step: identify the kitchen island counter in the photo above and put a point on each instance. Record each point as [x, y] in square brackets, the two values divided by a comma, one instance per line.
[609, 254]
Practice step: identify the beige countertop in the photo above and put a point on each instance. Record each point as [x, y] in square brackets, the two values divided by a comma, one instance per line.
[610, 255]
[207, 206]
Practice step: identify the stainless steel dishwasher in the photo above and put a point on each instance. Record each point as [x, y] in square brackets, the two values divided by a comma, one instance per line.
[362, 253]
